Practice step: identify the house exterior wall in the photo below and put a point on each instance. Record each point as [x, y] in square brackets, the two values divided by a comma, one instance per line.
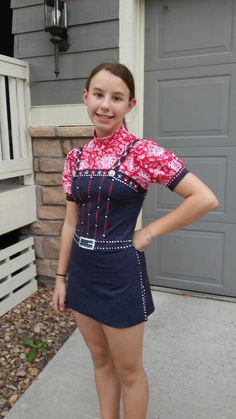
[111, 29]
[94, 37]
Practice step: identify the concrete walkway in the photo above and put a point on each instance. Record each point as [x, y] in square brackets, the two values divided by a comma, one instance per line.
[189, 357]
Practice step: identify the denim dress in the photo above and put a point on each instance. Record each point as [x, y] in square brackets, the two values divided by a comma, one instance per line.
[108, 278]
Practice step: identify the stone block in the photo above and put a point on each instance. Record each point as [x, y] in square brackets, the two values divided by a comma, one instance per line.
[46, 228]
[53, 195]
[51, 247]
[47, 148]
[48, 178]
[51, 165]
[38, 247]
[52, 212]
[46, 267]
[68, 145]
[75, 131]
[42, 132]
[78, 142]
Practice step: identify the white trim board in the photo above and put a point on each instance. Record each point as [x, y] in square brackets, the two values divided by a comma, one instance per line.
[62, 115]
[131, 53]
[59, 115]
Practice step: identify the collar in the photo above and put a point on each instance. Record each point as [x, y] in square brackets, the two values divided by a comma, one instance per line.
[120, 135]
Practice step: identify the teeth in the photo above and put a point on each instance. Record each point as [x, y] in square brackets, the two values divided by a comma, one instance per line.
[104, 116]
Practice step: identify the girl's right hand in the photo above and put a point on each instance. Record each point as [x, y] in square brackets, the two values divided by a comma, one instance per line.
[141, 239]
[59, 296]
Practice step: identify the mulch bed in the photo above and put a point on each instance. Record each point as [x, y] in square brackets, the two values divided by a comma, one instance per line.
[33, 318]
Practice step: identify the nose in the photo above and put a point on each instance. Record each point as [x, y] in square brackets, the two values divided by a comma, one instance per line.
[105, 103]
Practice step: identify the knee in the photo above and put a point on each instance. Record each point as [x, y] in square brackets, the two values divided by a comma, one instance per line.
[128, 375]
[101, 357]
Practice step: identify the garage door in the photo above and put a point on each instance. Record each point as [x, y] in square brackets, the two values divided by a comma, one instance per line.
[190, 108]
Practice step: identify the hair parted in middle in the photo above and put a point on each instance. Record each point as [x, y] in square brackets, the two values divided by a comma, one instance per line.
[117, 69]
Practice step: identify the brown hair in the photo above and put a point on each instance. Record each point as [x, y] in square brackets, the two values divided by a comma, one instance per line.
[119, 70]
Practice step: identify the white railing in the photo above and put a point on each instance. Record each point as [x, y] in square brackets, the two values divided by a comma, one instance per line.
[15, 143]
[17, 274]
[17, 201]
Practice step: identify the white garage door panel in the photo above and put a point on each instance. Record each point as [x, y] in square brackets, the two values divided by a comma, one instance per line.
[217, 168]
[192, 107]
[179, 43]
[204, 106]
[211, 170]
[208, 249]
[189, 33]
[200, 257]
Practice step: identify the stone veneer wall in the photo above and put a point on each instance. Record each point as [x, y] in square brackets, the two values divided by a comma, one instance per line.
[50, 146]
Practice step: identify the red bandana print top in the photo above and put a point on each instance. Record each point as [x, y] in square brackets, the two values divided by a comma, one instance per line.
[146, 163]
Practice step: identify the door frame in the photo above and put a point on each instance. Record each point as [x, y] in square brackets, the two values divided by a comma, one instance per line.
[131, 53]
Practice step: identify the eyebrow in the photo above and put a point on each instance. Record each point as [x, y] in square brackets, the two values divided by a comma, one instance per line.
[114, 93]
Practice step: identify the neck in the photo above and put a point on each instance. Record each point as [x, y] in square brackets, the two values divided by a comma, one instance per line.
[102, 134]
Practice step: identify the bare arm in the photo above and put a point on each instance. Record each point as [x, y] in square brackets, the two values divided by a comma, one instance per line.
[198, 201]
[67, 235]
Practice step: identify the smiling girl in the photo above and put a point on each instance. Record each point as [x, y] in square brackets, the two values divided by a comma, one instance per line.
[108, 291]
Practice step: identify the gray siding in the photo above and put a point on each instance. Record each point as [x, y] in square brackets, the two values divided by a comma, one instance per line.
[94, 37]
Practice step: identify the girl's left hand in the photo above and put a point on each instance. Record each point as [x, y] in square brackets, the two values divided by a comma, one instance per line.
[59, 295]
[141, 239]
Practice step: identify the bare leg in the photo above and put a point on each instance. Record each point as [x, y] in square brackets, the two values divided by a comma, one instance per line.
[107, 382]
[126, 349]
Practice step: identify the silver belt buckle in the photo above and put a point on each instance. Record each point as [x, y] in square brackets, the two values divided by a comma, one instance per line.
[86, 243]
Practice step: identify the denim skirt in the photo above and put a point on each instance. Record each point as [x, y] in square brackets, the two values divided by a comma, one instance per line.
[111, 286]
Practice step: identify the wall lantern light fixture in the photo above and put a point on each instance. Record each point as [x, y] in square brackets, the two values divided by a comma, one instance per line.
[55, 16]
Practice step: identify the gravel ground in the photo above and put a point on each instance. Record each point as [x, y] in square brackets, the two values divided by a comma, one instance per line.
[34, 318]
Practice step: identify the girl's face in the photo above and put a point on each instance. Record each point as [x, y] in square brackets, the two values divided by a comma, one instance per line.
[107, 102]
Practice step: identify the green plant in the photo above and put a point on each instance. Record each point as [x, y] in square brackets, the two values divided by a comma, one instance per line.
[36, 345]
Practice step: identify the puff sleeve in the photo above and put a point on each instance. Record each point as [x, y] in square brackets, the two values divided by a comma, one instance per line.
[160, 165]
[69, 167]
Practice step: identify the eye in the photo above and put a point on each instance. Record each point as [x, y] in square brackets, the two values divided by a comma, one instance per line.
[98, 94]
[117, 98]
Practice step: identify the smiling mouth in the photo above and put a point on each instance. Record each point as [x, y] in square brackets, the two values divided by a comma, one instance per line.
[104, 116]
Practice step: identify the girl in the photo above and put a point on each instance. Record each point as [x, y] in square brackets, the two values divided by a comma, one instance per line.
[108, 291]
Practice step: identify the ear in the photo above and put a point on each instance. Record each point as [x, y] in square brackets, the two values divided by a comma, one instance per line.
[132, 104]
[85, 96]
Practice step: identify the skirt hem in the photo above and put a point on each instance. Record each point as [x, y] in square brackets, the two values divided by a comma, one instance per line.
[107, 323]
